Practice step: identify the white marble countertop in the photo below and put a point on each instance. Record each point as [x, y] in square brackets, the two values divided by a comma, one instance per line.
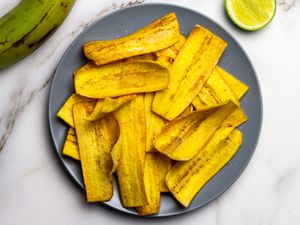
[34, 189]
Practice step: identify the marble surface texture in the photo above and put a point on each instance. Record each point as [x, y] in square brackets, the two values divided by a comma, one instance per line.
[34, 189]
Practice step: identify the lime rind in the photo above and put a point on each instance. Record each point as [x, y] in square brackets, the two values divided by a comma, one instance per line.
[259, 26]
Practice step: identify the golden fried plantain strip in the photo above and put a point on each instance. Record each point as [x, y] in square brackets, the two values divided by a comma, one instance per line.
[87, 66]
[165, 57]
[236, 118]
[214, 91]
[108, 105]
[71, 146]
[113, 129]
[94, 146]
[165, 61]
[158, 35]
[164, 164]
[152, 184]
[149, 57]
[187, 111]
[204, 99]
[168, 55]
[132, 143]
[218, 90]
[66, 113]
[189, 72]
[238, 87]
[116, 155]
[154, 123]
[122, 78]
[173, 50]
[185, 179]
[178, 45]
[184, 137]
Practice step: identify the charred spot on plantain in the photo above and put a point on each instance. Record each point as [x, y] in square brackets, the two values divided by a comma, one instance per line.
[172, 97]
[74, 142]
[177, 141]
[72, 134]
[224, 142]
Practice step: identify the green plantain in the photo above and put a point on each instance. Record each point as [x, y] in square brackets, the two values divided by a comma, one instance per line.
[28, 25]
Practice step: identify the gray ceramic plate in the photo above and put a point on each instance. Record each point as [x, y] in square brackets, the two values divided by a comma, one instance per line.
[234, 60]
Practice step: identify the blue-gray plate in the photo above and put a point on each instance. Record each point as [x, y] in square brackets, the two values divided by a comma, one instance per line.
[234, 60]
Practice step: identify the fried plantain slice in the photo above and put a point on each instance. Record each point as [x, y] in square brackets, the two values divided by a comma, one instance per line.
[147, 57]
[172, 51]
[108, 105]
[152, 184]
[158, 35]
[94, 141]
[185, 179]
[184, 137]
[189, 72]
[66, 111]
[131, 149]
[122, 78]
[154, 123]
[164, 164]
[214, 91]
[217, 89]
[85, 67]
[187, 111]
[71, 146]
[238, 87]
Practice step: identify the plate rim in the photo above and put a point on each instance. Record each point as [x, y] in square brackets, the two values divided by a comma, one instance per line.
[260, 122]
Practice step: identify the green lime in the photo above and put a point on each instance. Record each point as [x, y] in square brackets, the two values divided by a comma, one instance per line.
[251, 14]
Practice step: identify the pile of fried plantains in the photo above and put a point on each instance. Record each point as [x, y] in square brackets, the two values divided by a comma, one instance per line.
[154, 108]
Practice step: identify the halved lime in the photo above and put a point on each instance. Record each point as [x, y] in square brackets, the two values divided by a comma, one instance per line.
[251, 14]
